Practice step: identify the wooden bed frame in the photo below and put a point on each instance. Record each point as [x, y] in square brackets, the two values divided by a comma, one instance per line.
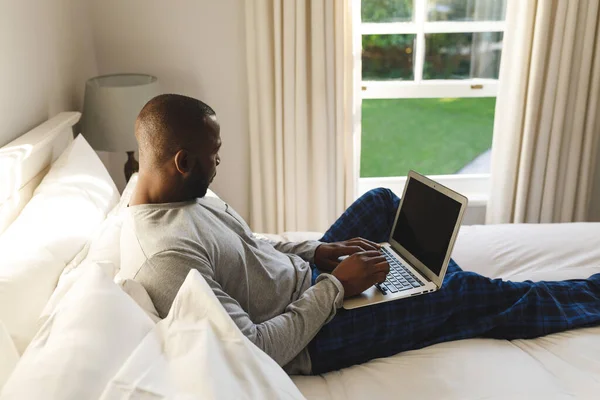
[26, 160]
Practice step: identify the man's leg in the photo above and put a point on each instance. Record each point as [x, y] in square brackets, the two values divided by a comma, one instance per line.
[468, 305]
[370, 217]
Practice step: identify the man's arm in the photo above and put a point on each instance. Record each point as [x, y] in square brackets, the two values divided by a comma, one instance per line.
[282, 337]
[305, 250]
[324, 255]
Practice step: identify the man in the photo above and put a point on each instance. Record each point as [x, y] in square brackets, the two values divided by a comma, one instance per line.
[281, 303]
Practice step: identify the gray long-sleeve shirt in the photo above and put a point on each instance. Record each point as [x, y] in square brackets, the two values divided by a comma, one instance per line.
[264, 286]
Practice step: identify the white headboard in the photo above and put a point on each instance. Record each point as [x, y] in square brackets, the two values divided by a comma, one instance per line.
[26, 160]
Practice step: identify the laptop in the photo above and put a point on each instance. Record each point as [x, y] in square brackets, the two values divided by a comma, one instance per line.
[420, 244]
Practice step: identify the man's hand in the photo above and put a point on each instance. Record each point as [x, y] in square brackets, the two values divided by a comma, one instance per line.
[361, 271]
[327, 254]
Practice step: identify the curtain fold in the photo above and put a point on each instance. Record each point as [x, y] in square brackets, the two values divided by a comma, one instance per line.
[546, 128]
[301, 105]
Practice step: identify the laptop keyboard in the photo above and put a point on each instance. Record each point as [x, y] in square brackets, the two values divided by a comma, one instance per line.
[400, 278]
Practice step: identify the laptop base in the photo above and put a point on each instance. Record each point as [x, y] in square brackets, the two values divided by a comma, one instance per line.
[374, 296]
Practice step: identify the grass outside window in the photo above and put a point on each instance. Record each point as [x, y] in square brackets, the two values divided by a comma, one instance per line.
[431, 136]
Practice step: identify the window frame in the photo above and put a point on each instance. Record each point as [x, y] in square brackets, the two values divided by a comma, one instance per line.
[474, 186]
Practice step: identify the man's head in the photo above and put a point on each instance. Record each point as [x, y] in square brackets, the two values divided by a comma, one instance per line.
[179, 141]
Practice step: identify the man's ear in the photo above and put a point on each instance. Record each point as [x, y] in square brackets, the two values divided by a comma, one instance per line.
[183, 162]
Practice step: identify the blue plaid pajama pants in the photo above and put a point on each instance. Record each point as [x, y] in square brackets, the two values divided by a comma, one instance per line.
[468, 305]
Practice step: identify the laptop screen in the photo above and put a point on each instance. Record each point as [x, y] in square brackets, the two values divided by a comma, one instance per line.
[426, 223]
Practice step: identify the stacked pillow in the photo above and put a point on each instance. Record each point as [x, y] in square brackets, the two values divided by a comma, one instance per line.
[82, 345]
[66, 209]
[9, 354]
[98, 343]
[102, 250]
[198, 351]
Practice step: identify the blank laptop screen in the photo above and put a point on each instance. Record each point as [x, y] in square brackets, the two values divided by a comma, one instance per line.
[426, 223]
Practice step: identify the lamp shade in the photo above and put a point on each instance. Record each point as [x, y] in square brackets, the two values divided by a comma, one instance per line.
[110, 106]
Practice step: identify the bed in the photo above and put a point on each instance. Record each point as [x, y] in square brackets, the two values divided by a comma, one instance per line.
[563, 365]
[137, 356]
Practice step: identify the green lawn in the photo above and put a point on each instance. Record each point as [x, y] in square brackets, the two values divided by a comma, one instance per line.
[431, 136]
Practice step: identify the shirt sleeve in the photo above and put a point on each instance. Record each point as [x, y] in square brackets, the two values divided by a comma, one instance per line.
[282, 337]
[305, 250]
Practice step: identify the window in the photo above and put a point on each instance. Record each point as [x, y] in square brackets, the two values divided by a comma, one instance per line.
[429, 83]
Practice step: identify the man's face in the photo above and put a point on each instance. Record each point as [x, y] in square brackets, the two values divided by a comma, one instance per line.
[207, 157]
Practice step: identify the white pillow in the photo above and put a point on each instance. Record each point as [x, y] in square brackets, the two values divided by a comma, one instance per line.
[67, 207]
[103, 249]
[138, 293]
[106, 247]
[8, 355]
[94, 329]
[127, 193]
[66, 283]
[198, 352]
[105, 244]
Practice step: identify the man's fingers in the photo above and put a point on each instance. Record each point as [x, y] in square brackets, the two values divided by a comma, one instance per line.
[380, 277]
[370, 255]
[374, 259]
[347, 250]
[364, 243]
[382, 267]
[374, 245]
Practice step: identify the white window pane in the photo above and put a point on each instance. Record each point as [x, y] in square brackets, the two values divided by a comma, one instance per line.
[466, 10]
[432, 136]
[388, 57]
[387, 10]
[462, 55]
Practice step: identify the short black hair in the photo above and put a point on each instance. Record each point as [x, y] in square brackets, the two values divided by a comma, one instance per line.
[167, 123]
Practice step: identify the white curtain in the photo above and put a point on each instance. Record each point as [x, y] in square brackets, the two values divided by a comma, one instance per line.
[547, 114]
[302, 149]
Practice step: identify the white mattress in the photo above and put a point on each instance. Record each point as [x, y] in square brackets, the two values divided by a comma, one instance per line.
[558, 366]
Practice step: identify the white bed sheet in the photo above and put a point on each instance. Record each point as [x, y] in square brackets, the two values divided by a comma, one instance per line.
[558, 366]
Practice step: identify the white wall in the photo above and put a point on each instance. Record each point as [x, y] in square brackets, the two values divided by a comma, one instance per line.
[194, 47]
[46, 54]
